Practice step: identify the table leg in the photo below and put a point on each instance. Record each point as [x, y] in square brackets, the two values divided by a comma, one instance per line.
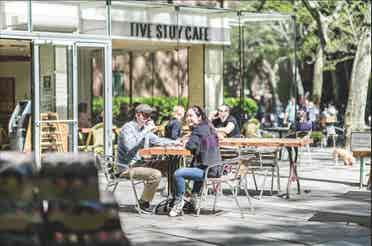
[168, 203]
[293, 175]
[280, 151]
[361, 173]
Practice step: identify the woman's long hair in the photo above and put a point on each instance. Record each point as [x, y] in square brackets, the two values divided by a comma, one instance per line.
[200, 113]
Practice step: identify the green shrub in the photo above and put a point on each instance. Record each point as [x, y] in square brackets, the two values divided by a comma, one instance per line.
[164, 105]
[316, 136]
[249, 105]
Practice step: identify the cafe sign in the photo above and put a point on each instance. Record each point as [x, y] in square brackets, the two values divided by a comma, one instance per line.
[171, 32]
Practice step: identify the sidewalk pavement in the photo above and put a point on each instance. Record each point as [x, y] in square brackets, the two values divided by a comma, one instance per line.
[330, 211]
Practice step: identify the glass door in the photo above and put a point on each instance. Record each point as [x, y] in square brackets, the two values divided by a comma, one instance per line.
[55, 121]
[71, 91]
[93, 101]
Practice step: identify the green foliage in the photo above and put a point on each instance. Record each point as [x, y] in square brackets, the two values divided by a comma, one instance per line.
[249, 106]
[316, 136]
[164, 105]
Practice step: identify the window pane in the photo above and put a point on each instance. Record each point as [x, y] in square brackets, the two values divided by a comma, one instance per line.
[13, 15]
[72, 17]
[93, 18]
[123, 14]
[157, 77]
[90, 99]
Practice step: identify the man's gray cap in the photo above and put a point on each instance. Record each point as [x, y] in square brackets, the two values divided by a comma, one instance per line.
[144, 108]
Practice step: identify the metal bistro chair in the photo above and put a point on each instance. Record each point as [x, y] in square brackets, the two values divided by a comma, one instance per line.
[230, 177]
[257, 160]
[95, 139]
[110, 168]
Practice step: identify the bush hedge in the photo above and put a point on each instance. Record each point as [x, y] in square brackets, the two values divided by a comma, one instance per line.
[165, 105]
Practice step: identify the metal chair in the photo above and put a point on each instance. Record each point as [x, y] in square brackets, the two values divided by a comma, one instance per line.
[110, 168]
[231, 177]
[95, 139]
[256, 160]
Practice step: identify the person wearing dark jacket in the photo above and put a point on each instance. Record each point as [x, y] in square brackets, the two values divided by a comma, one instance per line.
[174, 127]
[203, 144]
[225, 123]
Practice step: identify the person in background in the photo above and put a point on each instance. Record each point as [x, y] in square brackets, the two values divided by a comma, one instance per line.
[303, 124]
[251, 129]
[290, 112]
[203, 145]
[135, 135]
[261, 109]
[174, 126]
[226, 123]
[84, 120]
[123, 116]
[313, 113]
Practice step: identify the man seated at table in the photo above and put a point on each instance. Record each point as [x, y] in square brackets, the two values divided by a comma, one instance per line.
[135, 135]
[174, 127]
[226, 123]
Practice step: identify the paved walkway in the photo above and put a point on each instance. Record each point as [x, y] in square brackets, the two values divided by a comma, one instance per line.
[330, 211]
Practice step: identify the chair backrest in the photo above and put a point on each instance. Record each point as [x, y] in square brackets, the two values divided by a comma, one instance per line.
[229, 153]
[259, 157]
[96, 135]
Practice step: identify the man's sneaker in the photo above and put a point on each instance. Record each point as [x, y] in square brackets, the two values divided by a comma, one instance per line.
[177, 208]
[195, 201]
[145, 206]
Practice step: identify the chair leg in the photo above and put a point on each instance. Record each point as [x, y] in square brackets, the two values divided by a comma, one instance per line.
[263, 185]
[248, 196]
[115, 186]
[254, 180]
[217, 193]
[309, 151]
[137, 206]
[204, 193]
[236, 200]
[278, 177]
[272, 181]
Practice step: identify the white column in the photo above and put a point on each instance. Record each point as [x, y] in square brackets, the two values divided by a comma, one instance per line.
[213, 77]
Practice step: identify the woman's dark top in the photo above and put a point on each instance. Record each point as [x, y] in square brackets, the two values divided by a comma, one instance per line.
[203, 144]
[235, 133]
[173, 129]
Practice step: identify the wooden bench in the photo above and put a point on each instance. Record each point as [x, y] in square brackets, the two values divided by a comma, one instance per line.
[361, 148]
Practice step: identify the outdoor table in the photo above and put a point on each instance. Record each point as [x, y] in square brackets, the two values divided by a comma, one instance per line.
[289, 143]
[361, 154]
[174, 154]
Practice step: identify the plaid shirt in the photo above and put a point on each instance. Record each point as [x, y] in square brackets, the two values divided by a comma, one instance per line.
[132, 138]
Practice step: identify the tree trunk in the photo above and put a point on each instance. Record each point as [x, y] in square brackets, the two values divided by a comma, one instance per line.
[289, 66]
[299, 84]
[335, 86]
[356, 105]
[318, 73]
[271, 73]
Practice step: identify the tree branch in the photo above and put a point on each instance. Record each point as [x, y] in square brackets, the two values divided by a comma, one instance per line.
[337, 10]
[353, 31]
[261, 5]
[311, 6]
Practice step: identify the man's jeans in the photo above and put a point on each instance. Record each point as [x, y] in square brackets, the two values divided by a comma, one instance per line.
[192, 173]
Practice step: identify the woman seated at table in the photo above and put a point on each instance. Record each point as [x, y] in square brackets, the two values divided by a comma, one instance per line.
[203, 144]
